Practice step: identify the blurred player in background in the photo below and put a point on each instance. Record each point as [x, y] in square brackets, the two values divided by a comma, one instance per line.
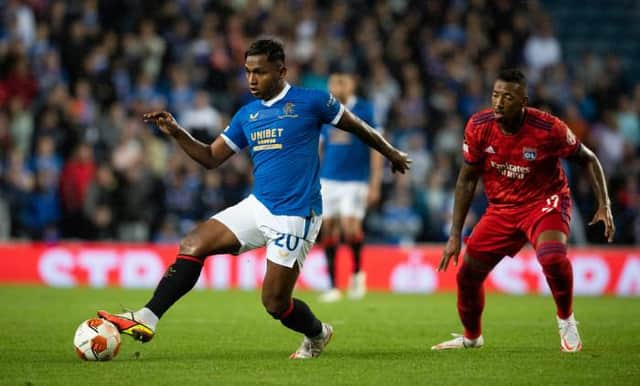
[350, 174]
[516, 150]
[281, 130]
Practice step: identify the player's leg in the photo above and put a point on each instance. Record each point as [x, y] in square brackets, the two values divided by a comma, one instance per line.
[353, 235]
[353, 208]
[550, 240]
[230, 231]
[286, 253]
[330, 239]
[293, 313]
[493, 237]
[208, 238]
[332, 193]
[473, 271]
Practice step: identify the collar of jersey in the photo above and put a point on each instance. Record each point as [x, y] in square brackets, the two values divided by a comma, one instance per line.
[278, 97]
[351, 101]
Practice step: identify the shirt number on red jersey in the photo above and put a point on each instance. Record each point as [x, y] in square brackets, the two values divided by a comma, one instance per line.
[552, 203]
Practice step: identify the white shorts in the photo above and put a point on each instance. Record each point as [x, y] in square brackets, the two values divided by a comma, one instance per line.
[344, 198]
[288, 238]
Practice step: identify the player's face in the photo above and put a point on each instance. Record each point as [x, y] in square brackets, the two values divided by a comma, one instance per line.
[265, 78]
[508, 99]
[342, 86]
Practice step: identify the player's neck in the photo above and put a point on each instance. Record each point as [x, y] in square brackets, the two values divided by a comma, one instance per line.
[276, 90]
[514, 125]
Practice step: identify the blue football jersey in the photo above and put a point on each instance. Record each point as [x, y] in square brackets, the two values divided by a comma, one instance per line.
[283, 135]
[345, 157]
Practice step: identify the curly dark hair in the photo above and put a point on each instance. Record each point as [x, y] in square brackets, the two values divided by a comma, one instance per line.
[271, 48]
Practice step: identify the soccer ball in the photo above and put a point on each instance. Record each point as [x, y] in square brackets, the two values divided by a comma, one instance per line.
[97, 340]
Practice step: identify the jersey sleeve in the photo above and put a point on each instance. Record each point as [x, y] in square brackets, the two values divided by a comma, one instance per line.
[329, 109]
[567, 144]
[471, 147]
[233, 134]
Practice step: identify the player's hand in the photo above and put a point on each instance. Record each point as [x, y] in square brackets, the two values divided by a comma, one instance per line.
[451, 250]
[604, 214]
[164, 120]
[400, 161]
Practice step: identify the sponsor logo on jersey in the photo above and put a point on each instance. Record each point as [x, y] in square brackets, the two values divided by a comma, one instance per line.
[511, 171]
[529, 153]
[254, 116]
[490, 150]
[267, 139]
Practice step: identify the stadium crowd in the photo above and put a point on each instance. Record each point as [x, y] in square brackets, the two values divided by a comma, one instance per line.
[77, 162]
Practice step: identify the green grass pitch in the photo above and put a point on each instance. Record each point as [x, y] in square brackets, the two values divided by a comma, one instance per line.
[225, 338]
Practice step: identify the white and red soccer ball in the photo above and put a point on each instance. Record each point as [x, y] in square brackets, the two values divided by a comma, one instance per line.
[97, 340]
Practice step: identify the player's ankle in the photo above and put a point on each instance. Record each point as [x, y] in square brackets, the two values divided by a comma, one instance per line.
[146, 316]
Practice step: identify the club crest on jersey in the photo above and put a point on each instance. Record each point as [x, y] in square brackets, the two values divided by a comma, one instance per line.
[288, 111]
[529, 154]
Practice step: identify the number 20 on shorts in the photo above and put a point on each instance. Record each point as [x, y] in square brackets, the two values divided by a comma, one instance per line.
[289, 241]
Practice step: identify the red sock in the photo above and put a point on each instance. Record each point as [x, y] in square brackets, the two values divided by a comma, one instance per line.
[471, 299]
[552, 255]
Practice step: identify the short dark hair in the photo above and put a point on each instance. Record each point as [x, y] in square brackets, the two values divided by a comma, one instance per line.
[271, 48]
[513, 75]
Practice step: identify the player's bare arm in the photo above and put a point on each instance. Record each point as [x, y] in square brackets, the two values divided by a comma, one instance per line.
[465, 188]
[375, 180]
[400, 161]
[590, 162]
[209, 156]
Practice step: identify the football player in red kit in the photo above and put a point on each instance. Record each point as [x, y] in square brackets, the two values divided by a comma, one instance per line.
[517, 150]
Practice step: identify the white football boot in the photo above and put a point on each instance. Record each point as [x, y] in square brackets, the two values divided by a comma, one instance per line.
[313, 347]
[459, 341]
[569, 336]
[357, 286]
[331, 296]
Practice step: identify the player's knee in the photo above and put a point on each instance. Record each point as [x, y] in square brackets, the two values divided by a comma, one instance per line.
[276, 305]
[473, 271]
[191, 245]
[551, 253]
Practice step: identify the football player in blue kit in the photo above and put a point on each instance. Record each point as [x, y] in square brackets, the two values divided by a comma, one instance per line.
[283, 213]
[350, 175]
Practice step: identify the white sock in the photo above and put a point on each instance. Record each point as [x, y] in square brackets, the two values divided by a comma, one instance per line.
[147, 316]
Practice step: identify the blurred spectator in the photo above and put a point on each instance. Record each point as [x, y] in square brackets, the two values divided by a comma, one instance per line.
[139, 203]
[542, 49]
[399, 221]
[382, 91]
[21, 125]
[211, 197]
[202, 120]
[181, 197]
[45, 157]
[76, 177]
[609, 142]
[416, 147]
[20, 83]
[628, 121]
[41, 213]
[99, 205]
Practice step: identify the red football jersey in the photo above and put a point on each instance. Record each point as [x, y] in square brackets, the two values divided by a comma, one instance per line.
[521, 168]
